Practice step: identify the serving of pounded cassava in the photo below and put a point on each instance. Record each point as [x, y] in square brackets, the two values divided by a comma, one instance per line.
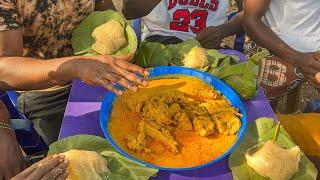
[174, 122]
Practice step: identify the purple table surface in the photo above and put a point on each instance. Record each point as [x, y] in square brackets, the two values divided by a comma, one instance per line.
[82, 117]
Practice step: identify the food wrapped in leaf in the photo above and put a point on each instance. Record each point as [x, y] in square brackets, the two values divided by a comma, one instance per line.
[275, 162]
[85, 165]
[152, 54]
[246, 155]
[109, 38]
[93, 158]
[196, 58]
[117, 37]
[241, 77]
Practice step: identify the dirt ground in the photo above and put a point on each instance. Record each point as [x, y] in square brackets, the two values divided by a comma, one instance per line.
[307, 93]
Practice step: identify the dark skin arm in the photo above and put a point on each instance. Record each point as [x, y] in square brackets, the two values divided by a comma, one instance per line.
[11, 161]
[256, 29]
[133, 9]
[18, 73]
[211, 36]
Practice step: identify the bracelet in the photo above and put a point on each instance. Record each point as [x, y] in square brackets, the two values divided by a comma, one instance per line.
[6, 126]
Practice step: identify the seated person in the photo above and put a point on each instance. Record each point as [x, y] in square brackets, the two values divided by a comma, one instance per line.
[174, 21]
[34, 31]
[291, 30]
[24, 45]
[18, 73]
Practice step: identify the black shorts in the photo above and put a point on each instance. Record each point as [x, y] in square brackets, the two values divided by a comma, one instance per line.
[46, 110]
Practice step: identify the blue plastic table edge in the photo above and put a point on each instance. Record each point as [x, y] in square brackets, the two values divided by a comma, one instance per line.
[176, 70]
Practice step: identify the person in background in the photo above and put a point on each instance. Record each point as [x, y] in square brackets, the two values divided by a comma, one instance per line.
[36, 53]
[174, 21]
[290, 30]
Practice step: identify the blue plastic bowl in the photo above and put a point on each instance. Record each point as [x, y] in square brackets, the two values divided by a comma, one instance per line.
[176, 70]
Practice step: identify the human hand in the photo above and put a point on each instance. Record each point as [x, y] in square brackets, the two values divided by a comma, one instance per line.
[106, 71]
[52, 167]
[211, 37]
[310, 66]
[11, 161]
[317, 57]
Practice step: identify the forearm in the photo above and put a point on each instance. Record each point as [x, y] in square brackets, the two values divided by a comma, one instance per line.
[234, 26]
[22, 73]
[264, 36]
[133, 9]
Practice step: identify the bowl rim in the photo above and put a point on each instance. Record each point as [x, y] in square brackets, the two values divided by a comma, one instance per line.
[205, 77]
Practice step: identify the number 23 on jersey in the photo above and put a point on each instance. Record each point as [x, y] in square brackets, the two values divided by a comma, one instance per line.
[194, 19]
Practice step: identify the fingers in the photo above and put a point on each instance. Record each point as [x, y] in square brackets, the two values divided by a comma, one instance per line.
[63, 176]
[46, 165]
[127, 58]
[57, 171]
[28, 171]
[131, 67]
[122, 81]
[126, 71]
[112, 88]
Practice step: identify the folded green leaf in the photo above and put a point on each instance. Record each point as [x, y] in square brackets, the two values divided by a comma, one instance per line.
[241, 77]
[261, 131]
[178, 51]
[119, 166]
[123, 168]
[82, 39]
[152, 54]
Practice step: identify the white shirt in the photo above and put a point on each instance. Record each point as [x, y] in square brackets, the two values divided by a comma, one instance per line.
[184, 18]
[296, 22]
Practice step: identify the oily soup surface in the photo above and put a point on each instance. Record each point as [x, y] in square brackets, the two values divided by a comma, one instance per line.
[193, 149]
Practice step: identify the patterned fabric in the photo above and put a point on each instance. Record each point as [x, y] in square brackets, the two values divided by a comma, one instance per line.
[46, 24]
[276, 76]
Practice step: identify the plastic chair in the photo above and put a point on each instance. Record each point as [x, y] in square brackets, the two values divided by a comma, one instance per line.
[29, 140]
[239, 41]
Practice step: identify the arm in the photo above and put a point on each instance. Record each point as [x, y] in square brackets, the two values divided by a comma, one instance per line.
[133, 9]
[256, 29]
[211, 37]
[22, 73]
[11, 162]
[233, 26]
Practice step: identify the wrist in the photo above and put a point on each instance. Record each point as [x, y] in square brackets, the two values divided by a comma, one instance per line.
[224, 30]
[7, 133]
[67, 71]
